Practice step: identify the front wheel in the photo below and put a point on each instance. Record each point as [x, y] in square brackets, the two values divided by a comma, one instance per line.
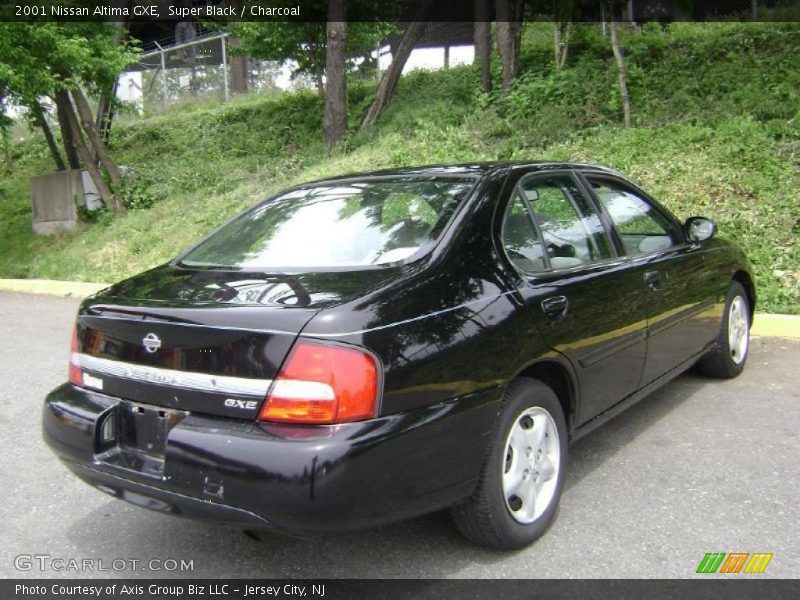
[727, 360]
[521, 483]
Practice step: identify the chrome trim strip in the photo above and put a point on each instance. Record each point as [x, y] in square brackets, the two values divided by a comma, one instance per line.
[203, 382]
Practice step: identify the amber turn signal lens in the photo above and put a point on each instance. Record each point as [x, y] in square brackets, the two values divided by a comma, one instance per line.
[75, 374]
[323, 383]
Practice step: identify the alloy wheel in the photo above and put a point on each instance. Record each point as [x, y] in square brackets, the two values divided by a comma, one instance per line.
[530, 464]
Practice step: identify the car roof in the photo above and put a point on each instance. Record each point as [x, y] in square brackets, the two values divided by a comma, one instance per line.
[469, 169]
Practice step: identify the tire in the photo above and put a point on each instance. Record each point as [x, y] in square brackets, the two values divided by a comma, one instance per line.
[505, 521]
[727, 360]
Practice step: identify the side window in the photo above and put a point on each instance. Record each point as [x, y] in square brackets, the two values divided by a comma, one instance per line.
[572, 232]
[641, 227]
[520, 239]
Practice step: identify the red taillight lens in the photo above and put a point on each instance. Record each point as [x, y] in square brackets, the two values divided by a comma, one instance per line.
[75, 374]
[322, 383]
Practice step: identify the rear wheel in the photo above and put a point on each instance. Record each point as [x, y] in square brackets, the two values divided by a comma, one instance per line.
[521, 483]
[729, 357]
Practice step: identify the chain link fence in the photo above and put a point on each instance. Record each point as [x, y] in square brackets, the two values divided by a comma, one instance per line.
[206, 67]
[198, 70]
[191, 71]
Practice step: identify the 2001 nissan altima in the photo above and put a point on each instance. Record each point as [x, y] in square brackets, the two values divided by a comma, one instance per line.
[369, 348]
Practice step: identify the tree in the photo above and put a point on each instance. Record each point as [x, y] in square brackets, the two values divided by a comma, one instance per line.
[106, 102]
[561, 32]
[622, 72]
[55, 60]
[239, 67]
[508, 14]
[305, 43]
[66, 131]
[86, 157]
[5, 125]
[38, 115]
[390, 77]
[483, 43]
[334, 122]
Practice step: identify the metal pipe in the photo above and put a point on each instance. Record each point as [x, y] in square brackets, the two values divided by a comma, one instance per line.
[201, 40]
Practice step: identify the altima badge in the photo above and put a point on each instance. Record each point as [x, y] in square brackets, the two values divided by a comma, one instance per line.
[151, 342]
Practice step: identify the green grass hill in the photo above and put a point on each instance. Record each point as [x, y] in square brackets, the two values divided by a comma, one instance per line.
[716, 111]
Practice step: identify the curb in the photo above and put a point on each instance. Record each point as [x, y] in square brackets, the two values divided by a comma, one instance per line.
[782, 326]
[75, 289]
[764, 324]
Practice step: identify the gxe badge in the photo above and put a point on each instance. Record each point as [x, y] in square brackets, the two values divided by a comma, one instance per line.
[151, 342]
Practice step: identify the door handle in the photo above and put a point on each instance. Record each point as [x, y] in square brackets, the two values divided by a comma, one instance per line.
[653, 280]
[555, 307]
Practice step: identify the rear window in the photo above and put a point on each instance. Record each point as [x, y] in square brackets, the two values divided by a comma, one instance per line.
[342, 224]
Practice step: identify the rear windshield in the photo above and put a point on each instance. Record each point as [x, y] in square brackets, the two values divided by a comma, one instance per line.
[342, 224]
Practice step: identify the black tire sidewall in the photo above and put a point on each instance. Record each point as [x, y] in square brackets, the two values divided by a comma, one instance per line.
[736, 290]
[525, 394]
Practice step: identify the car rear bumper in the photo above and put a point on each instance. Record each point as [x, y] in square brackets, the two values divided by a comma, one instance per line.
[295, 479]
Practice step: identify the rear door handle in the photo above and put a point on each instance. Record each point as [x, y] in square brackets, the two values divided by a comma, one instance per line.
[555, 307]
[653, 280]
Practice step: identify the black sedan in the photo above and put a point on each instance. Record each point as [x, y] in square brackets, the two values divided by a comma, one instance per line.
[368, 348]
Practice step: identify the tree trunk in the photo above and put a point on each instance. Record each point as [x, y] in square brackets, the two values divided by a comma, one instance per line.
[565, 42]
[105, 113]
[61, 100]
[483, 44]
[334, 123]
[556, 43]
[41, 121]
[509, 30]
[318, 68]
[399, 58]
[622, 72]
[86, 157]
[100, 149]
[239, 66]
[238, 63]
[561, 43]
[8, 159]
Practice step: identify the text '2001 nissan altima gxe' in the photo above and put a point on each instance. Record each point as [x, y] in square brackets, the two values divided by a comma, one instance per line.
[369, 348]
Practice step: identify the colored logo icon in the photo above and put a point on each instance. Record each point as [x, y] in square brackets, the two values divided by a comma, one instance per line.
[734, 562]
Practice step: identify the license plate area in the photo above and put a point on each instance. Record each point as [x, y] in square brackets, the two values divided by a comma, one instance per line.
[134, 436]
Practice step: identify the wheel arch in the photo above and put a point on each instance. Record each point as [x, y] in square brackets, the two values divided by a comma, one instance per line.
[749, 286]
[560, 378]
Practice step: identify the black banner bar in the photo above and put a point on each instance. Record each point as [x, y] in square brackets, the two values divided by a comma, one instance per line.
[342, 589]
[452, 11]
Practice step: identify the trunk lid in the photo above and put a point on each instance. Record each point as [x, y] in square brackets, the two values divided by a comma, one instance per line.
[201, 341]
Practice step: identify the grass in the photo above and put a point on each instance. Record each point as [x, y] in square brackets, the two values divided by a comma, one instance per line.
[716, 132]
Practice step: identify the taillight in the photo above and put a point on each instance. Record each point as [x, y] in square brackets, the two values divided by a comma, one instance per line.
[75, 374]
[322, 383]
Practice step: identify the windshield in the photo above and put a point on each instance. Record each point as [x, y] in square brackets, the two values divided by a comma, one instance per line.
[341, 224]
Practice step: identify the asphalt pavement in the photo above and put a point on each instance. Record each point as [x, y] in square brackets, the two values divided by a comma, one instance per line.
[700, 466]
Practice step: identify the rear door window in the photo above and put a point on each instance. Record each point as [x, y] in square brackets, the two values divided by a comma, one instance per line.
[569, 225]
[520, 238]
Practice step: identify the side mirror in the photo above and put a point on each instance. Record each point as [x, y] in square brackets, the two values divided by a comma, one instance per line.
[699, 229]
